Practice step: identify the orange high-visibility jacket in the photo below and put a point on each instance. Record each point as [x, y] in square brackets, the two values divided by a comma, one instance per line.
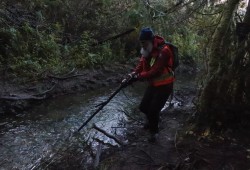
[156, 68]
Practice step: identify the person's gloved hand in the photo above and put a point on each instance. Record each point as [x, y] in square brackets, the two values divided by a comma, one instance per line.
[132, 77]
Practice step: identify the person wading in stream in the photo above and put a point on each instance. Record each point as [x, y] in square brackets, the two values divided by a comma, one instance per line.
[155, 65]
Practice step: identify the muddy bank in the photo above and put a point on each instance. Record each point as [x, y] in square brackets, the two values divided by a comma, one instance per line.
[178, 147]
[18, 95]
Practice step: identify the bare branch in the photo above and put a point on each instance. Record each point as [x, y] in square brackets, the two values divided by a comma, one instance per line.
[98, 154]
[66, 77]
[138, 121]
[46, 91]
[108, 135]
[39, 96]
[21, 97]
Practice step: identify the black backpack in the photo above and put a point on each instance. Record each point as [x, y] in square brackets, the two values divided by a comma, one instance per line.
[175, 52]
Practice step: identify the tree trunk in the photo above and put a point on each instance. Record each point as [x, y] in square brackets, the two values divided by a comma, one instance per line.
[225, 97]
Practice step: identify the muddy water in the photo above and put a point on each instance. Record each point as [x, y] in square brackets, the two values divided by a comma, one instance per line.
[28, 138]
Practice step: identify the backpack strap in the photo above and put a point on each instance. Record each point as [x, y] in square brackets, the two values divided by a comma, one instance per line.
[160, 47]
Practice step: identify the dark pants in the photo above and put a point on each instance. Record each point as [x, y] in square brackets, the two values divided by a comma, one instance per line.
[152, 102]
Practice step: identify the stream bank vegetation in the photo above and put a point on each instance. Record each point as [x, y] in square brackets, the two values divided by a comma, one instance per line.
[42, 39]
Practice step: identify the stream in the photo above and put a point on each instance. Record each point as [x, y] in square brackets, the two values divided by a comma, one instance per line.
[28, 138]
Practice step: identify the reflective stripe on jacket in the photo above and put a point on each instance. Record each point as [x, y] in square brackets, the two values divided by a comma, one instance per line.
[157, 67]
[166, 77]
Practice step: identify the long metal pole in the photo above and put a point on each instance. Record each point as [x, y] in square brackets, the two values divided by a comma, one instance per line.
[101, 106]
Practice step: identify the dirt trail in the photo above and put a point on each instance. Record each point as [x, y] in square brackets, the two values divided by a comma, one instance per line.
[180, 148]
[140, 154]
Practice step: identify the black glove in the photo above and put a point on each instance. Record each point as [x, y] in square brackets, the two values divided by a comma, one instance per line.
[132, 77]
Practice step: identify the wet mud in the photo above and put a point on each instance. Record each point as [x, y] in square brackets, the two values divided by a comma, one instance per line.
[18, 95]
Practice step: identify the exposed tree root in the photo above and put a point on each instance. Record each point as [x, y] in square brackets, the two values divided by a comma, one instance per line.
[39, 96]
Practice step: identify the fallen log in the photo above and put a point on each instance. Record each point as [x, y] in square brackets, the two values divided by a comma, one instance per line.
[98, 154]
[108, 135]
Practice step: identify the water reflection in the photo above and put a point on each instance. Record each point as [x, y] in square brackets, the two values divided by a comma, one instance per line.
[28, 138]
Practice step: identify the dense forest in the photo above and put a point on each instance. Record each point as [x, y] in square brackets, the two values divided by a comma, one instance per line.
[56, 36]
[41, 37]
